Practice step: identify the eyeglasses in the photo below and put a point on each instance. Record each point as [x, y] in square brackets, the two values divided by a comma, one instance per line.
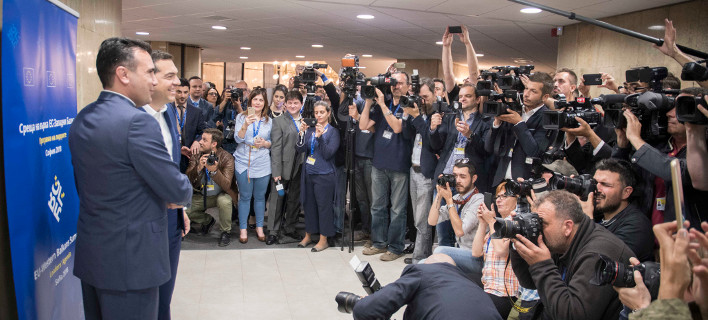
[462, 160]
[503, 196]
[212, 94]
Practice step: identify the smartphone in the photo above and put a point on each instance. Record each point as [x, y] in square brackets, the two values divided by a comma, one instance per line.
[251, 111]
[311, 122]
[488, 200]
[594, 79]
[454, 29]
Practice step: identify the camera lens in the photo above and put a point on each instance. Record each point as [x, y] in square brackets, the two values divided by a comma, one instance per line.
[505, 228]
[346, 301]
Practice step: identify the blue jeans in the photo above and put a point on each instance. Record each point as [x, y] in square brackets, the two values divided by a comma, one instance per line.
[387, 185]
[256, 189]
[463, 259]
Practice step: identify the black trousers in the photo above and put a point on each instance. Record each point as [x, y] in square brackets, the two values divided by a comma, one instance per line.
[102, 304]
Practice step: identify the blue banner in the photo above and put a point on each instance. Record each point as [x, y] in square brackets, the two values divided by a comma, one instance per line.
[38, 106]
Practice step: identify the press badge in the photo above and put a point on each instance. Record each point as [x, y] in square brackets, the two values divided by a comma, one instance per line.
[388, 134]
[660, 204]
[254, 148]
[279, 186]
[210, 187]
[311, 160]
[460, 150]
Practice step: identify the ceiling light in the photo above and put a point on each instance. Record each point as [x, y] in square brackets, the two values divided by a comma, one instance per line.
[243, 58]
[365, 16]
[366, 55]
[218, 27]
[301, 57]
[245, 48]
[317, 46]
[479, 54]
[531, 10]
[439, 43]
[275, 76]
[142, 33]
[657, 27]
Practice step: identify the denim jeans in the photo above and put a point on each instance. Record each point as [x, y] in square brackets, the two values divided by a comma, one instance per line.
[254, 188]
[340, 195]
[388, 187]
[463, 259]
[422, 198]
[362, 186]
[444, 230]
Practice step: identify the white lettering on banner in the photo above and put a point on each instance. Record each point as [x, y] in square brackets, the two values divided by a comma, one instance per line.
[41, 126]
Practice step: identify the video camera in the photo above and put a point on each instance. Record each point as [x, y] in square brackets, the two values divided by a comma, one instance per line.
[308, 77]
[555, 120]
[650, 108]
[383, 81]
[440, 106]
[504, 78]
[581, 185]
[608, 271]
[687, 109]
[347, 300]
[694, 71]
[652, 76]
[497, 103]
[350, 76]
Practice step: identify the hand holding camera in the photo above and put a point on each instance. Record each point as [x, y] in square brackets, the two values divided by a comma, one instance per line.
[319, 130]
[445, 192]
[202, 162]
[637, 297]
[463, 128]
[435, 121]
[530, 252]
[211, 162]
[511, 117]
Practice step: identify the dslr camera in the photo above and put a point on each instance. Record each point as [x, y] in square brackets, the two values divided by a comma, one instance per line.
[347, 300]
[211, 160]
[447, 178]
[608, 271]
[581, 185]
[237, 94]
[383, 81]
[527, 224]
[555, 120]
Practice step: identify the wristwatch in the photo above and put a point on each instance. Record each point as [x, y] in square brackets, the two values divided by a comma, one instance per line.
[450, 206]
[387, 113]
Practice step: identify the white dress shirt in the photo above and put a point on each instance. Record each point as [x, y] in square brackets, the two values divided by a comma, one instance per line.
[160, 117]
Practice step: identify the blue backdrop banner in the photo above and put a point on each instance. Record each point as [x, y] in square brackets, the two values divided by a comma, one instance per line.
[38, 106]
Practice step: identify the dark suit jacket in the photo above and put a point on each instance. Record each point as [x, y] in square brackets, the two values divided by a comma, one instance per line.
[428, 157]
[194, 126]
[124, 178]
[528, 139]
[283, 156]
[431, 291]
[208, 113]
[443, 139]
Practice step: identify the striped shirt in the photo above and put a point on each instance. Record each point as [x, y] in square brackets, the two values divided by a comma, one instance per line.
[498, 277]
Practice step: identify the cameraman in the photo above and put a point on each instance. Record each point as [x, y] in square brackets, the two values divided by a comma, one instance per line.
[514, 136]
[226, 115]
[584, 156]
[213, 181]
[611, 202]
[435, 289]
[655, 162]
[563, 262]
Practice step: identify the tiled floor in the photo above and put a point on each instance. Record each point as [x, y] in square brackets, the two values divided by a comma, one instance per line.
[270, 283]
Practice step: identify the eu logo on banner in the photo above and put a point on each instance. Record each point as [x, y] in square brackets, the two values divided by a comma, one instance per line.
[28, 76]
[51, 79]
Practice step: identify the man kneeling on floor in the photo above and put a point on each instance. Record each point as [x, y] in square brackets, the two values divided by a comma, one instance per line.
[211, 172]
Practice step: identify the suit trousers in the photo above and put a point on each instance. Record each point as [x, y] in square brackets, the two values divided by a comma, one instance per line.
[291, 201]
[197, 213]
[422, 198]
[103, 304]
[318, 201]
[175, 245]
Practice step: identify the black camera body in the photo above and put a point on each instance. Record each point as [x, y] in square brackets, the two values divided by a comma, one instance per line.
[519, 189]
[581, 185]
[445, 179]
[694, 71]
[368, 92]
[555, 120]
[687, 109]
[650, 108]
[211, 160]
[497, 103]
[308, 77]
[608, 271]
[551, 155]
[526, 224]
[652, 76]
[507, 77]
[237, 94]
[383, 80]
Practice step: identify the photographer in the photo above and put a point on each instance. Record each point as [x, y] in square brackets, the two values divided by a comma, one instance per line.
[656, 173]
[611, 203]
[514, 136]
[697, 152]
[584, 156]
[225, 116]
[389, 175]
[432, 290]
[448, 66]
[211, 173]
[422, 169]
[561, 265]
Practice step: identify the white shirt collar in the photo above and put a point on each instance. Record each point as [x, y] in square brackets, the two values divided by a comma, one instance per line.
[131, 101]
[152, 111]
[526, 115]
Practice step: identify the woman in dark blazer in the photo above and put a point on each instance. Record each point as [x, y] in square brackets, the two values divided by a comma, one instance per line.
[319, 144]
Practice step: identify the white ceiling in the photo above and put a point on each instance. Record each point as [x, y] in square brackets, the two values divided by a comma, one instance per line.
[278, 30]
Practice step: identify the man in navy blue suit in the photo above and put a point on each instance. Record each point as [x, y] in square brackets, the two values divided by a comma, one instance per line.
[196, 91]
[177, 221]
[126, 180]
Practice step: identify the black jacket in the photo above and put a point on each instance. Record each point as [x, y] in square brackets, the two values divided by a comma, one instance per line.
[428, 158]
[634, 228]
[563, 282]
[527, 139]
[431, 291]
[443, 140]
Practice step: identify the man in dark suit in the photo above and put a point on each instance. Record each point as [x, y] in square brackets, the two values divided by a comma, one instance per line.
[126, 180]
[435, 289]
[190, 124]
[177, 221]
[196, 91]
[515, 137]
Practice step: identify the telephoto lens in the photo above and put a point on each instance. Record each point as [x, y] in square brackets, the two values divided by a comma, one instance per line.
[608, 271]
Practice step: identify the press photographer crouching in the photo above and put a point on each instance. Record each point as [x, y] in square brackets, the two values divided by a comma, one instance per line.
[211, 173]
[561, 262]
[435, 289]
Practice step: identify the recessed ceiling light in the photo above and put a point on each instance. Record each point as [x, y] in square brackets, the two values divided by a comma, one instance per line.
[439, 43]
[218, 27]
[479, 54]
[300, 57]
[365, 16]
[530, 10]
[245, 48]
[657, 27]
[366, 55]
[243, 58]
[317, 46]
[142, 33]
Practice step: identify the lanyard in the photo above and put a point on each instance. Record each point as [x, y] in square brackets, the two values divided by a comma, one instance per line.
[180, 121]
[207, 176]
[294, 122]
[488, 241]
[312, 140]
[256, 130]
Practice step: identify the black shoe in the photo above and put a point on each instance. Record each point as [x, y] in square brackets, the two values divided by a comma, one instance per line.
[271, 240]
[409, 249]
[225, 239]
[207, 227]
[408, 260]
[294, 235]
